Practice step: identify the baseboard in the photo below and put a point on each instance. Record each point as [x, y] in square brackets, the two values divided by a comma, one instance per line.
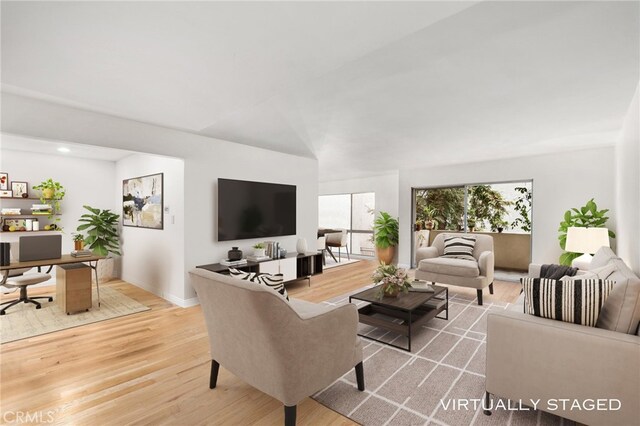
[183, 303]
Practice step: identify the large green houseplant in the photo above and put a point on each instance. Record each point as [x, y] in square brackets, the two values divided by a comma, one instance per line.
[587, 216]
[101, 227]
[385, 229]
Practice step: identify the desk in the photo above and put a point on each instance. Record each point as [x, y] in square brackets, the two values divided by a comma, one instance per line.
[64, 260]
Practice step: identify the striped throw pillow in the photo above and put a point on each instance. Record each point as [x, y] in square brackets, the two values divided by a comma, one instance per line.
[274, 282]
[459, 247]
[575, 301]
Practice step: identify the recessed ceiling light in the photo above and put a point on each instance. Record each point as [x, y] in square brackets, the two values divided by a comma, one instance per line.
[63, 149]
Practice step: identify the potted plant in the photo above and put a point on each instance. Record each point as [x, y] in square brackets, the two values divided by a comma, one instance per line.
[52, 193]
[78, 241]
[429, 215]
[385, 230]
[418, 226]
[392, 280]
[258, 250]
[471, 223]
[102, 237]
[501, 225]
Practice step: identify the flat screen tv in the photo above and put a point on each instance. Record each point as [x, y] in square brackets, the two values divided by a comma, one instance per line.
[255, 210]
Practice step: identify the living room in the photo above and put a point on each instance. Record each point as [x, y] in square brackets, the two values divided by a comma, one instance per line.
[332, 98]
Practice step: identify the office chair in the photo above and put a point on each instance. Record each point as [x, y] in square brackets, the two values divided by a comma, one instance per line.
[19, 279]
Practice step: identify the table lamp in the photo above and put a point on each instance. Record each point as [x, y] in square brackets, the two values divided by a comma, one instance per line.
[587, 241]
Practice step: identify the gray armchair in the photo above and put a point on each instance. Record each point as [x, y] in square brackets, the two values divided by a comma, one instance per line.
[286, 349]
[460, 272]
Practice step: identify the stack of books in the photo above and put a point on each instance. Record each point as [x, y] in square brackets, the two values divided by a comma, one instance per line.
[257, 258]
[81, 253]
[227, 262]
[10, 212]
[421, 287]
[41, 209]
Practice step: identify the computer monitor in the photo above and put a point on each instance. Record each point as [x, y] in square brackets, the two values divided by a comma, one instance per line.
[40, 247]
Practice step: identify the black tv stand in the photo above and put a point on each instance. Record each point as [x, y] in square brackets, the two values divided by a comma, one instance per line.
[307, 265]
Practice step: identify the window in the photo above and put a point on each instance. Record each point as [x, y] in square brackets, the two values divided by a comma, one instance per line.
[502, 209]
[353, 212]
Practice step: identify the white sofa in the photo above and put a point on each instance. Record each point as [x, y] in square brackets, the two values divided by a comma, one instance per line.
[532, 358]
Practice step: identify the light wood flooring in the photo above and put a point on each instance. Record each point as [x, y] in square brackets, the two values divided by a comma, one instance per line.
[153, 367]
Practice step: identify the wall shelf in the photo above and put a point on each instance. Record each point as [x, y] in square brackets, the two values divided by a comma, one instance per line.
[26, 216]
[31, 232]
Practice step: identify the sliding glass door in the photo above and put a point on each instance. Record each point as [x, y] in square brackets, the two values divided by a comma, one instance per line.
[502, 209]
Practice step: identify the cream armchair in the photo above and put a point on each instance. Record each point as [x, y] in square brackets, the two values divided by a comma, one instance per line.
[460, 272]
[286, 349]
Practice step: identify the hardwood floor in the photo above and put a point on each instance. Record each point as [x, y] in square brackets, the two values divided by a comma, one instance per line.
[153, 367]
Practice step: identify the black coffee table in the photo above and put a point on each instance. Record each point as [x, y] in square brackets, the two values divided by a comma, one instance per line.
[413, 309]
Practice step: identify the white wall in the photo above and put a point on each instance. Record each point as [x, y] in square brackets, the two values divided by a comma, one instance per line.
[154, 258]
[560, 181]
[384, 186]
[87, 182]
[628, 187]
[205, 160]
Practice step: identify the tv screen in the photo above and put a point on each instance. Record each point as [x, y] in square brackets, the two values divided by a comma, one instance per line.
[255, 210]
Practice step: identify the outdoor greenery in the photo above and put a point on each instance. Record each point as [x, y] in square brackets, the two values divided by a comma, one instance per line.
[587, 216]
[445, 206]
[522, 205]
[385, 230]
[102, 231]
[487, 207]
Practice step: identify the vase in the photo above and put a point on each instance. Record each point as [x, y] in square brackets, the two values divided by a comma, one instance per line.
[395, 291]
[385, 255]
[234, 254]
[78, 245]
[301, 246]
[259, 252]
[47, 193]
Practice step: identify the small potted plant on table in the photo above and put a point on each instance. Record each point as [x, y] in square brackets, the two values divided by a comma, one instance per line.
[258, 250]
[78, 241]
[392, 280]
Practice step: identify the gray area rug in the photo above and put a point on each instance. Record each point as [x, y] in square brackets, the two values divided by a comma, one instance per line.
[23, 320]
[447, 364]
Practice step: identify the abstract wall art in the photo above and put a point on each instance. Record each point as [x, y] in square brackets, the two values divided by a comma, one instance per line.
[142, 201]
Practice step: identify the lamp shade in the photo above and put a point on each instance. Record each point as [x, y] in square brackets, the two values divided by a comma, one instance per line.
[586, 240]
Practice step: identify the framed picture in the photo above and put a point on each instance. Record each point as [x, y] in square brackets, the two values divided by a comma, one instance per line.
[18, 223]
[4, 181]
[20, 189]
[142, 201]
[6, 194]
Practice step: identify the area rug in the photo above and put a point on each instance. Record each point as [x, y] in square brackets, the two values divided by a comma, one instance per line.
[331, 264]
[446, 365]
[23, 320]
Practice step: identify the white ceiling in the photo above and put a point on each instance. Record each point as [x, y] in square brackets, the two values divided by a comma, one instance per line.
[30, 144]
[365, 87]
